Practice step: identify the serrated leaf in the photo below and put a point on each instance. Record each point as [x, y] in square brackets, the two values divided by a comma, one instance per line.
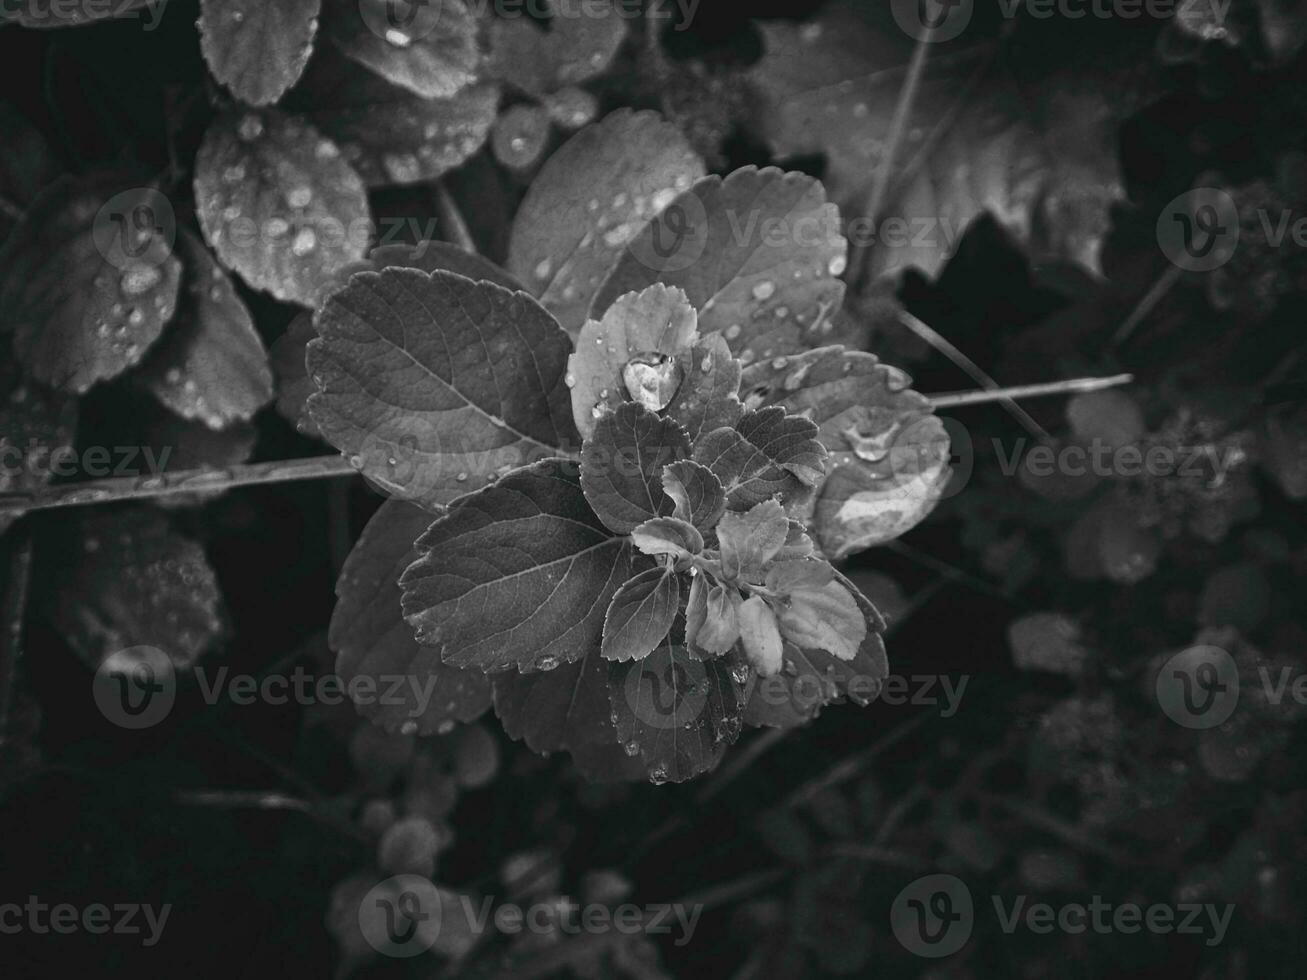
[375, 646]
[258, 49]
[590, 198]
[519, 574]
[566, 709]
[816, 615]
[760, 636]
[135, 582]
[750, 540]
[711, 617]
[37, 425]
[696, 493]
[54, 14]
[679, 712]
[211, 364]
[293, 385]
[759, 247]
[889, 456]
[641, 615]
[428, 256]
[811, 679]
[763, 457]
[708, 397]
[622, 464]
[426, 46]
[657, 321]
[667, 536]
[436, 383]
[389, 134]
[82, 304]
[279, 205]
[575, 48]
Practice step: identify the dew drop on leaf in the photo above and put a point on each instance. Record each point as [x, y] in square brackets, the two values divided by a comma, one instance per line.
[250, 128]
[764, 290]
[140, 279]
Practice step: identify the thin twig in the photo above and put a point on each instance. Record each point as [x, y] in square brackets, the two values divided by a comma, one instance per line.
[850, 766]
[1068, 833]
[954, 399]
[981, 378]
[13, 606]
[236, 799]
[1151, 298]
[452, 222]
[116, 489]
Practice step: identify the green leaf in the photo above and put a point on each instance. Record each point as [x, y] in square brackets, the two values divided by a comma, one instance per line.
[889, 455]
[750, 540]
[760, 636]
[641, 614]
[767, 454]
[409, 688]
[573, 49]
[759, 248]
[667, 536]
[679, 713]
[429, 256]
[426, 46]
[257, 49]
[817, 614]
[279, 205]
[211, 364]
[711, 617]
[708, 396]
[81, 301]
[696, 493]
[590, 198]
[435, 384]
[134, 582]
[622, 465]
[657, 321]
[389, 134]
[519, 574]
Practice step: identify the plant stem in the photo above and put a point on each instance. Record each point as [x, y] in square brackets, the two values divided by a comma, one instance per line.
[452, 222]
[13, 605]
[1156, 292]
[953, 399]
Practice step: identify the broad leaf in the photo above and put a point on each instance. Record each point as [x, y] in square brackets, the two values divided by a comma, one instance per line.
[708, 397]
[519, 574]
[434, 384]
[712, 618]
[279, 205]
[592, 197]
[767, 453]
[889, 455]
[390, 134]
[426, 46]
[760, 635]
[656, 324]
[696, 493]
[758, 249]
[678, 712]
[258, 49]
[622, 466]
[87, 282]
[436, 256]
[37, 425]
[211, 364]
[667, 536]
[576, 47]
[817, 613]
[408, 687]
[135, 582]
[750, 540]
[641, 615]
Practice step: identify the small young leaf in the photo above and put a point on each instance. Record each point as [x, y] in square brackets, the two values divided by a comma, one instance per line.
[749, 541]
[589, 199]
[711, 617]
[279, 205]
[258, 49]
[622, 465]
[708, 397]
[667, 536]
[436, 383]
[696, 493]
[426, 46]
[657, 321]
[679, 713]
[768, 453]
[761, 245]
[211, 364]
[519, 574]
[573, 49]
[84, 298]
[373, 643]
[641, 614]
[760, 635]
[817, 616]
[389, 134]
[519, 136]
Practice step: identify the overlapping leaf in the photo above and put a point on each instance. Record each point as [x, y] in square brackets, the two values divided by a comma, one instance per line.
[258, 49]
[580, 43]
[767, 453]
[622, 466]
[426, 46]
[641, 615]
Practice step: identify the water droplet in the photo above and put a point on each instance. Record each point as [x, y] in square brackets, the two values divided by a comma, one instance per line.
[779, 364]
[764, 290]
[733, 331]
[403, 168]
[542, 270]
[837, 265]
[546, 662]
[398, 38]
[356, 462]
[300, 197]
[461, 477]
[140, 279]
[250, 128]
[569, 379]
[445, 727]
[706, 364]
[277, 227]
[326, 150]
[136, 318]
[652, 379]
[409, 727]
[631, 748]
[658, 775]
[305, 242]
